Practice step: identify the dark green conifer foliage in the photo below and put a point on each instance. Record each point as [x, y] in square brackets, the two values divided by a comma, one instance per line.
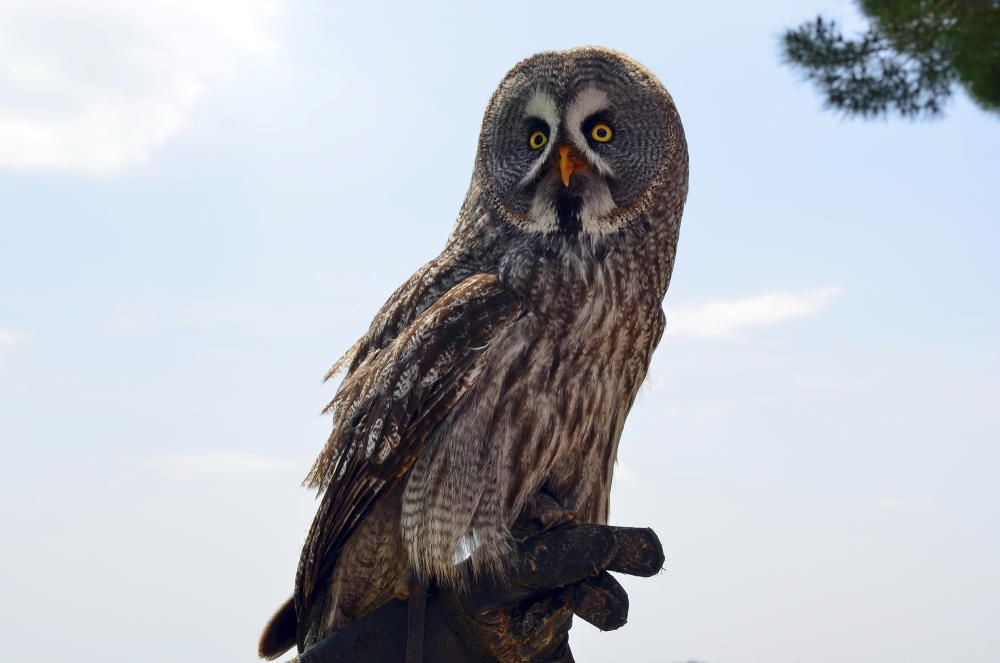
[909, 61]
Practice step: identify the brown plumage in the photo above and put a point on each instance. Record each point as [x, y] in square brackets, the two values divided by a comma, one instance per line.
[500, 374]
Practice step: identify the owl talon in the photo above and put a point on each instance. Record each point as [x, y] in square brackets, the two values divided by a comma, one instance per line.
[547, 512]
[401, 590]
[554, 518]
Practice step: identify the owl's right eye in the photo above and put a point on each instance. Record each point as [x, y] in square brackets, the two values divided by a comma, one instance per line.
[537, 139]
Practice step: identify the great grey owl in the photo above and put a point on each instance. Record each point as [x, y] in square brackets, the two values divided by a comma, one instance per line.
[495, 382]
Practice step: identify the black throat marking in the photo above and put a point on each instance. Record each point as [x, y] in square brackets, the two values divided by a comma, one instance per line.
[568, 213]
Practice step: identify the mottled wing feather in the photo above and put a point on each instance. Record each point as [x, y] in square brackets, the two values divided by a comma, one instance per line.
[411, 299]
[384, 412]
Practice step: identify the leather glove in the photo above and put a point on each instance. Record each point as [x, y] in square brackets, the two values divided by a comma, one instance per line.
[525, 617]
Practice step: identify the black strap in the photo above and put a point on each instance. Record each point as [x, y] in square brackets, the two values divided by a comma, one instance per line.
[415, 614]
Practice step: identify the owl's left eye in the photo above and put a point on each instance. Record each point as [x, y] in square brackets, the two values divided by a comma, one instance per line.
[537, 139]
[601, 132]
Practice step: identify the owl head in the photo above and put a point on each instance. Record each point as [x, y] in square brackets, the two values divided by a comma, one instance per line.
[579, 141]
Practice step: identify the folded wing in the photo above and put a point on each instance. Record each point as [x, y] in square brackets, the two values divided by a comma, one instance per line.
[384, 412]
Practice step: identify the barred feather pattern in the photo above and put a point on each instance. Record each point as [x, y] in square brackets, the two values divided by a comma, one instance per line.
[548, 409]
[386, 408]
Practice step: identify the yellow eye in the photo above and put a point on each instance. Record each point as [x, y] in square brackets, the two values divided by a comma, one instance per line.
[537, 140]
[601, 132]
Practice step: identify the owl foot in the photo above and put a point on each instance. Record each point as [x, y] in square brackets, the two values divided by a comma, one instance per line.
[555, 517]
[401, 590]
[547, 513]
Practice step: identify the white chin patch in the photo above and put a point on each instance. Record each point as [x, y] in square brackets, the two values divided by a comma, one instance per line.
[542, 216]
[596, 203]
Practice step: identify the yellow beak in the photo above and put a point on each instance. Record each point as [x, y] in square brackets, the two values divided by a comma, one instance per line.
[568, 163]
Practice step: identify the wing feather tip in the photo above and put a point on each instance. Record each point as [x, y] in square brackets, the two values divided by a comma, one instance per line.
[279, 633]
[345, 360]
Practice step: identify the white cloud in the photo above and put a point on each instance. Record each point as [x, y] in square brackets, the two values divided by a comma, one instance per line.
[899, 505]
[9, 338]
[95, 85]
[726, 316]
[187, 466]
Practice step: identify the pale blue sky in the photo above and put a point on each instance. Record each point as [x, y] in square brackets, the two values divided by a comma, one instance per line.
[205, 203]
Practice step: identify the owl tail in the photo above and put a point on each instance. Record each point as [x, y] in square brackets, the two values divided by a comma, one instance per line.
[279, 634]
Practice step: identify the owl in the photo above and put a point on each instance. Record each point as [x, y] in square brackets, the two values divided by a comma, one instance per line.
[494, 383]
